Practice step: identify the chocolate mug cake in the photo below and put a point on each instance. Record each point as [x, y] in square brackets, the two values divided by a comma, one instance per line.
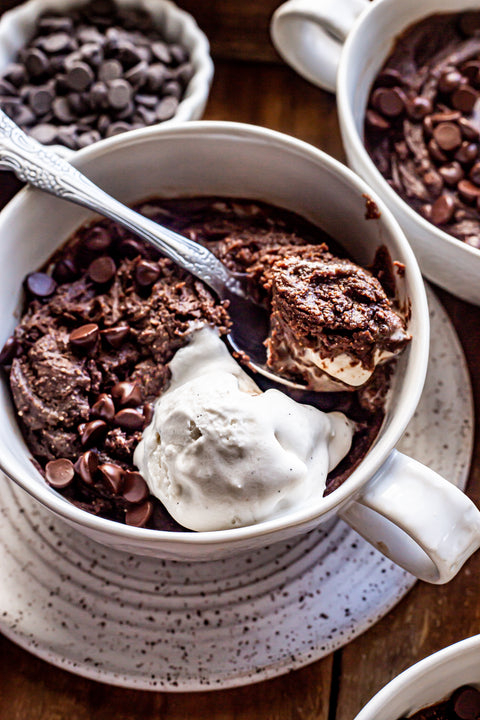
[107, 315]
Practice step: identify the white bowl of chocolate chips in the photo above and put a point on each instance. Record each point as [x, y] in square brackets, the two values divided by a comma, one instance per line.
[101, 356]
[408, 91]
[74, 72]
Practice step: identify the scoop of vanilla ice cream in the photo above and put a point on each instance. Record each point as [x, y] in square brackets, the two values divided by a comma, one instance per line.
[219, 453]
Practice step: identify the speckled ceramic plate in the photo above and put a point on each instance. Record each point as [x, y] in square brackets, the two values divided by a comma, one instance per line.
[163, 625]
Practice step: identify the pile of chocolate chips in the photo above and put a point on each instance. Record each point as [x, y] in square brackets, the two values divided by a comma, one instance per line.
[95, 72]
[464, 704]
[421, 125]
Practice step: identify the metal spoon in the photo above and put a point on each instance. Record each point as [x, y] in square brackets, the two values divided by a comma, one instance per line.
[41, 167]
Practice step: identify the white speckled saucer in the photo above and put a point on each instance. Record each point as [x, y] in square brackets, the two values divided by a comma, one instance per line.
[162, 625]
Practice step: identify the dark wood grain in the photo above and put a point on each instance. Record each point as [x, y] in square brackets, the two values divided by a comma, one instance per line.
[427, 619]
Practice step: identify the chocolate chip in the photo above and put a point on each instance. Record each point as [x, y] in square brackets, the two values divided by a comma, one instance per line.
[119, 93]
[474, 173]
[40, 284]
[178, 54]
[98, 239]
[468, 190]
[112, 475]
[137, 75]
[375, 120]
[451, 173]
[86, 466]
[442, 210]
[148, 413]
[146, 273]
[435, 151]
[466, 153]
[110, 70]
[24, 116]
[418, 107]
[166, 108]
[139, 515]
[174, 89]
[16, 74]
[92, 53]
[469, 131]
[127, 394]
[102, 270]
[185, 74]
[99, 95]
[67, 136]
[447, 136]
[466, 703]
[52, 24]
[129, 419]
[389, 77]
[464, 98]
[449, 81]
[103, 408]
[130, 248]
[84, 338]
[79, 76]
[87, 138]
[62, 111]
[434, 182]
[117, 128]
[149, 101]
[41, 99]
[446, 116]
[93, 432]
[161, 52]
[44, 133]
[64, 271]
[36, 62]
[9, 351]
[59, 473]
[156, 76]
[135, 489]
[471, 70]
[56, 42]
[116, 336]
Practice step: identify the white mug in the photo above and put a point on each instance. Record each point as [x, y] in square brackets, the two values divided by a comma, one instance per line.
[340, 45]
[420, 520]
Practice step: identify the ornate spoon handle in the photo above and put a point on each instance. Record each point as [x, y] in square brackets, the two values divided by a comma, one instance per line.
[37, 165]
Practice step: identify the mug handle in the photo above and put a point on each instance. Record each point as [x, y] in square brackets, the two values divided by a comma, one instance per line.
[309, 35]
[416, 518]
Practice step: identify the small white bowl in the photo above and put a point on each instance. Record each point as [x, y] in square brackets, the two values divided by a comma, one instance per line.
[17, 27]
[341, 46]
[428, 682]
[415, 517]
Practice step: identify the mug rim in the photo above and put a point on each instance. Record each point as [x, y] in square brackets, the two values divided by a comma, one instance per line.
[347, 123]
[409, 393]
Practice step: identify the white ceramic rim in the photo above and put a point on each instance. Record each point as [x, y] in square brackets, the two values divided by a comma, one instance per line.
[355, 141]
[376, 706]
[196, 94]
[408, 396]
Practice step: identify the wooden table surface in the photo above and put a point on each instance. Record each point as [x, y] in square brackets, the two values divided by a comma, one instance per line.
[427, 619]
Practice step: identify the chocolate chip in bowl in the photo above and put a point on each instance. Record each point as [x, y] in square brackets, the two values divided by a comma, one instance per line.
[77, 73]
[421, 126]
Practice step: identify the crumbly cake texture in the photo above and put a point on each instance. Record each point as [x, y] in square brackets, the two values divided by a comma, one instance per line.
[101, 324]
